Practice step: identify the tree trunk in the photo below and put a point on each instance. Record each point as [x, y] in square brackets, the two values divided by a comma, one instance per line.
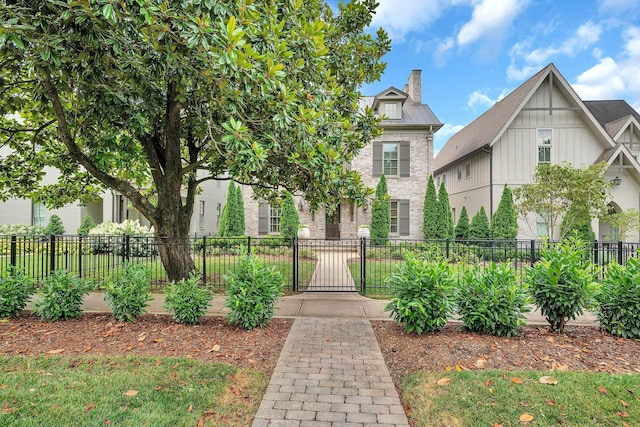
[174, 248]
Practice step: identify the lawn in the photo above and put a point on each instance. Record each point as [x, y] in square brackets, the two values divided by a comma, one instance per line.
[377, 271]
[510, 398]
[99, 390]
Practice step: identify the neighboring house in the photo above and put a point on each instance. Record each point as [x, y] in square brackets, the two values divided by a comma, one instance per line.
[403, 153]
[541, 121]
[112, 207]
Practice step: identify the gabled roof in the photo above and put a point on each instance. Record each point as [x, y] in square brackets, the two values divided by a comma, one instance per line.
[620, 150]
[489, 127]
[412, 114]
[617, 127]
[609, 111]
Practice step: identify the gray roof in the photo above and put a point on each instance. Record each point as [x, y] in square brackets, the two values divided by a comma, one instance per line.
[610, 111]
[412, 114]
[485, 129]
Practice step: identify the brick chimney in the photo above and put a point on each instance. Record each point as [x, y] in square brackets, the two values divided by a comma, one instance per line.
[414, 86]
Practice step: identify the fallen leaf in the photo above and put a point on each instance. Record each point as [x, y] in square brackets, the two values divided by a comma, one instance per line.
[622, 414]
[526, 418]
[107, 422]
[550, 339]
[58, 351]
[444, 381]
[516, 380]
[625, 404]
[448, 368]
[130, 392]
[235, 390]
[548, 380]
[602, 390]
[3, 386]
[91, 406]
[480, 363]
[497, 425]
[190, 408]
[625, 424]
[487, 383]
[214, 348]
[158, 340]
[524, 404]
[550, 402]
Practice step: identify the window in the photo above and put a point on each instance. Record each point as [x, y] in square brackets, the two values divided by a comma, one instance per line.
[543, 230]
[399, 210]
[390, 159]
[38, 214]
[468, 170]
[544, 139]
[201, 217]
[459, 174]
[392, 110]
[274, 220]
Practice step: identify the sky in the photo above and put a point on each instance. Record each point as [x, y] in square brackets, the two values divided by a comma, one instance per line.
[474, 52]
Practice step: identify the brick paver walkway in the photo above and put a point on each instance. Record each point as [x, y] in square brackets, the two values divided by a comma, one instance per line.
[331, 373]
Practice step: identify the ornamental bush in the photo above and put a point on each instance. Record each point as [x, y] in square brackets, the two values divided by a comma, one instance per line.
[492, 301]
[422, 297]
[618, 307]
[380, 215]
[479, 228]
[462, 228]
[60, 296]
[15, 290]
[252, 292]
[21, 230]
[108, 237]
[562, 282]
[289, 219]
[86, 224]
[54, 227]
[187, 300]
[129, 294]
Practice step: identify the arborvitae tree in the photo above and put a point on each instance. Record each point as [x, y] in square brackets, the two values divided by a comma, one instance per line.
[240, 226]
[289, 219]
[577, 222]
[223, 223]
[444, 218]
[86, 224]
[54, 227]
[504, 223]
[479, 228]
[462, 228]
[380, 214]
[430, 211]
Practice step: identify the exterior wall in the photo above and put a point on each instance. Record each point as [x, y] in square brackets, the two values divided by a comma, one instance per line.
[213, 193]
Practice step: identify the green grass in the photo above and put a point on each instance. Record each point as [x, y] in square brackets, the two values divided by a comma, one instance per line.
[92, 391]
[377, 271]
[487, 398]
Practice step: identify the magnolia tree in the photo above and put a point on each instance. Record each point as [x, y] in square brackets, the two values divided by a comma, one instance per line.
[139, 96]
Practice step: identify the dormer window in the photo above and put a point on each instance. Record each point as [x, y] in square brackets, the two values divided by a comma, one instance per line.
[392, 109]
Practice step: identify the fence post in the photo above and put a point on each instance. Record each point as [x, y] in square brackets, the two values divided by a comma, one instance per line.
[295, 264]
[52, 253]
[363, 265]
[619, 252]
[248, 245]
[595, 252]
[447, 248]
[533, 252]
[204, 260]
[14, 250]
[127, 247]
[80, 256]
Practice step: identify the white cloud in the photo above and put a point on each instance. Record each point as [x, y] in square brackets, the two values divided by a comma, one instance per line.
[478, 100]
[400, 17]
[490, 18]
[443, 135]
[442, 51]
[617, 6]
[584, 37]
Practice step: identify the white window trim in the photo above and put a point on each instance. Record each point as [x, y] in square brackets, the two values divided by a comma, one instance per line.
[398, 110]
[540, 144]
[397, 144]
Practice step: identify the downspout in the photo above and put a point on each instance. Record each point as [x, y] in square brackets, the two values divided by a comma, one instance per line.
[487, 149]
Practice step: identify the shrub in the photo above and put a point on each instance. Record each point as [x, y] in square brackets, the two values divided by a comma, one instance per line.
[86, 224]
[54, 227]
[108, 237]
[429, 210]
[444, 219]
[21, 230]
[289, 219]
[60, 296]
[562, 282]
[15, 290]
[129, 294]
[479, 228]
[504, 222]
[252, 292]
[187, 300]
[380, 215]
[422, 296]
[492, 301]
[462, 228]
[618, 308]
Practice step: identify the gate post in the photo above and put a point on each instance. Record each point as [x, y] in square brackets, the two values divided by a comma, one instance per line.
[363, 266]
[52, 254]
[204, 260]
[13, 256]
[619, 252]
[295, 264]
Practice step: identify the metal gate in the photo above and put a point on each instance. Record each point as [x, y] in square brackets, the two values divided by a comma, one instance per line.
[328, 265]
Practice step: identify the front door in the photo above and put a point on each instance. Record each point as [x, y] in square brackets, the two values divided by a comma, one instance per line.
[332, 228]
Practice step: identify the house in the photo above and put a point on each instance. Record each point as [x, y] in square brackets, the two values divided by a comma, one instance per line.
[404, 153]
[541, 121]
[111, 207]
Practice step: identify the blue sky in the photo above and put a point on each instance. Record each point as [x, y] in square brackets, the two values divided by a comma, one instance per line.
[474, 52]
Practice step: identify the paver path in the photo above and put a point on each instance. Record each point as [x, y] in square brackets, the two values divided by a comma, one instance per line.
[330, 373]
[332, 271]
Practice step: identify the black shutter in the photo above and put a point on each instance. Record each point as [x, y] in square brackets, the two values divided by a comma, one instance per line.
[263, 219]
[405, 155]
[403, 217]
[377, 158]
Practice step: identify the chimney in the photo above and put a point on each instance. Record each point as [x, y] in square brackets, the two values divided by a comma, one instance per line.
[414, 86]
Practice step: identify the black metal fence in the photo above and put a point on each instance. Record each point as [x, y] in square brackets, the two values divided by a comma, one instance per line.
[307, 265]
